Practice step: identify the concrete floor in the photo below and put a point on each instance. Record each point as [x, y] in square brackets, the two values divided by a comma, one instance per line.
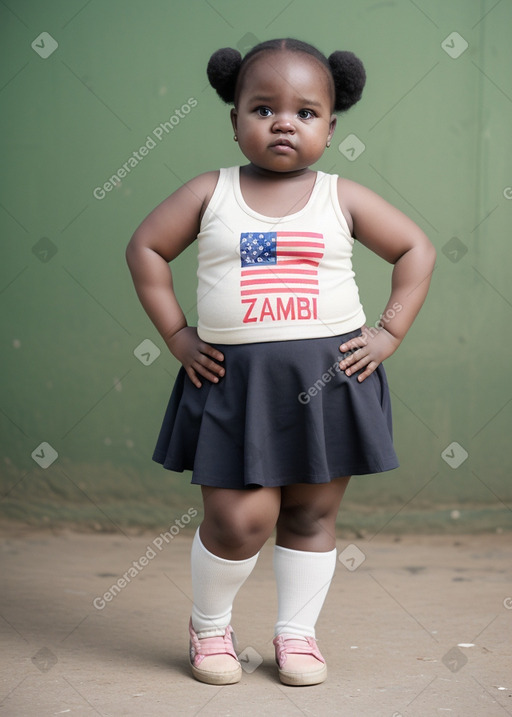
[411, 626]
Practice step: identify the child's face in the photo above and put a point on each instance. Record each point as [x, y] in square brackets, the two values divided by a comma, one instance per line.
[283, 117]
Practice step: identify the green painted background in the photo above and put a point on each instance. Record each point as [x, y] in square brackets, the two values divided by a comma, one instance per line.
[435, 122]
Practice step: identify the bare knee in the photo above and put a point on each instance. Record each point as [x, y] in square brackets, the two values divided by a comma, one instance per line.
[235, 530]
[237, 523]
[304, 521]
[307, 518]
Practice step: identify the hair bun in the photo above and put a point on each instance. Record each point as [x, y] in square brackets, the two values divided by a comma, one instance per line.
[222, 71]
[349, 78]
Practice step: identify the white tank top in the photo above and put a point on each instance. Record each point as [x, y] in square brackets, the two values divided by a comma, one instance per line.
[275, 279]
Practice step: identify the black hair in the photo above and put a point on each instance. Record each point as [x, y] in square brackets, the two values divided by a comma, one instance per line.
[226, 69]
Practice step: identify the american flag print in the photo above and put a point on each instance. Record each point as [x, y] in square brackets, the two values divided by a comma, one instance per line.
[279, 274]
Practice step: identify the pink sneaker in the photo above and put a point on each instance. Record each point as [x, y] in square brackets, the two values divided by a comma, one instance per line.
[299, 660]
[214, 659]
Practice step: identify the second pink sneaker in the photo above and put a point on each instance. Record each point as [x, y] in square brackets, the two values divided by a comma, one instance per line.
[299, 660]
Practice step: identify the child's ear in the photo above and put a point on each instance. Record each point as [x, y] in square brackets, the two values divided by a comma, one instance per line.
[234, 118]
[332, 127]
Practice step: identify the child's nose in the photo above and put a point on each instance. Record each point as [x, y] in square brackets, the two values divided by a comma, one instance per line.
[283, 123]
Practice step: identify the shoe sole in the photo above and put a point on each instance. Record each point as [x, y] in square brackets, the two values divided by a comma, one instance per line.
[298, 679]
[217, 678]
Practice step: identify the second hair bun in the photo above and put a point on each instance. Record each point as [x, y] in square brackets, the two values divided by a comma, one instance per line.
[222, 71]
[349, 78]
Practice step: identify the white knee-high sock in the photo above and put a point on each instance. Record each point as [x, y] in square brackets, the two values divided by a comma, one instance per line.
[303, 580]
[215, 583]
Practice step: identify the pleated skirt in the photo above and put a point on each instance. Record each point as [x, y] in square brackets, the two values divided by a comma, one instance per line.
[283, 413]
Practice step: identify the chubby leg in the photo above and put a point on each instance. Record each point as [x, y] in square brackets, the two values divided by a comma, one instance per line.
[304, 564]
[224, 552]
[305, 553]
[225, 549]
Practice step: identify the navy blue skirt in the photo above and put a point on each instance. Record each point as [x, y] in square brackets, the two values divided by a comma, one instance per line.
[283, 413]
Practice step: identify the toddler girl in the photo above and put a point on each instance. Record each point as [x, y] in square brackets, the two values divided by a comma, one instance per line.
[282, 395]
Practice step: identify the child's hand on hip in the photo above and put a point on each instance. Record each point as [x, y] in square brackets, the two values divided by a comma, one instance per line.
[367, 351]
[197, 357]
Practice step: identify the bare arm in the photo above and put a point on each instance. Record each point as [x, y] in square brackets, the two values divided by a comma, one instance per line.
[397, 239]
[167, 231]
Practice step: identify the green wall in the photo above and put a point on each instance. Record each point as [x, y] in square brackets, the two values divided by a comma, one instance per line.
[435, 122]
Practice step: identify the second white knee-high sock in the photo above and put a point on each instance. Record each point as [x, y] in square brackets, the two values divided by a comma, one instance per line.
[303, 579]
[215, 583]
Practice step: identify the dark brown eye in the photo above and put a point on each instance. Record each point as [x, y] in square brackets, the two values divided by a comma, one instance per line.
[264, 111]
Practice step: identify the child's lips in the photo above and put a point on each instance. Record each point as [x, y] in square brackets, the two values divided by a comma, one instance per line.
[282, 144]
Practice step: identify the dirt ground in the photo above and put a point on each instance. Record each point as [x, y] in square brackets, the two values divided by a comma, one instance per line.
[96, 624]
